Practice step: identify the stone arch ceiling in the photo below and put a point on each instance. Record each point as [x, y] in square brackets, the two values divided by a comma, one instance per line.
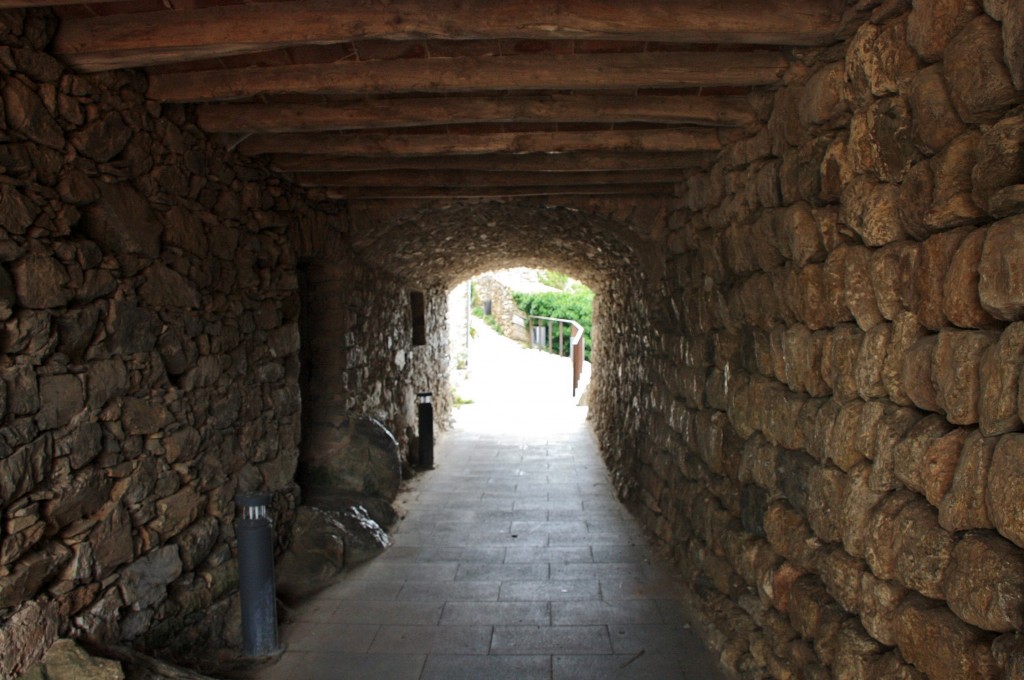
[445, 244]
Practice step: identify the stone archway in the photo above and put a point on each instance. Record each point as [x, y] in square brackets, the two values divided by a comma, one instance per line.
[610, 246]
[445, 243]
[359, 330]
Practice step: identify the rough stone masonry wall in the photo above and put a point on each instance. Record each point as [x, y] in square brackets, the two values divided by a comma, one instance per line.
[835, 451]
[504, 310]
[149, 305]
[619, 393]
[361, 356]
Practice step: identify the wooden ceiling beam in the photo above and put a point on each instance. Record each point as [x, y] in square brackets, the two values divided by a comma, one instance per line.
[468, 178]
[692, 139]
[529, 162]
[13, 4]
[424, 193]
[148, 38]
[390, 113]
[468, 74]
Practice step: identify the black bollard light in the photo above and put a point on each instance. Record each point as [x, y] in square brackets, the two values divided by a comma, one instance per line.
[426, 416]
[256, 575]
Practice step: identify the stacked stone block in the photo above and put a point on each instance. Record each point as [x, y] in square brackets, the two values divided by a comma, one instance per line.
[836, 447]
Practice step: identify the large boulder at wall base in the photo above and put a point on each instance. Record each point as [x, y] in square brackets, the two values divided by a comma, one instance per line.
[135, 664]
[324, 542]
[364, 537]
[65, 660]
[358, 455]
[315, 557]
[379, 509]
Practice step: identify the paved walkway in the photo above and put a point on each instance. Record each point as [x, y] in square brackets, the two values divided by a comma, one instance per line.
[514, 559]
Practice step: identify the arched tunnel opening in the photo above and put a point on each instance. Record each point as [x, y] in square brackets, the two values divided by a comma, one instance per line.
[428, 252]
[227, 230]
[543, 309]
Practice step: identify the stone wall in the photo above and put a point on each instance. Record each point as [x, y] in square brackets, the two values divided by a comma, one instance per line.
[149, 365]
[619, 409]
[503, 308]
[832, 443]
[360, 358]
[150, 330]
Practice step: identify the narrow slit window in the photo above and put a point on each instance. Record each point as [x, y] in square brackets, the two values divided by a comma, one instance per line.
[419, 318]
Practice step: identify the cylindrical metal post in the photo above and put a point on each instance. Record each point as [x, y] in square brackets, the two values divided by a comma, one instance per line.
[256, 575]
[426, 430]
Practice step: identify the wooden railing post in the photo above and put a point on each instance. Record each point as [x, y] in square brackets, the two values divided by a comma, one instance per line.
[577, 350]
[577, 343]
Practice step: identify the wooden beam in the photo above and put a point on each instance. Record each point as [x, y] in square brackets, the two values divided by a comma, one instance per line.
[360, 193]
[147, 38]
[694, 139]
[466, 178]
[528, 162]
[13, 4]
[467, 74]
[388, 113]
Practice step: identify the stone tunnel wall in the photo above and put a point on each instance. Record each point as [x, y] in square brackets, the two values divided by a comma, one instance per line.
[832, 444]
[149, 366]
[149, 304]
[361, 359]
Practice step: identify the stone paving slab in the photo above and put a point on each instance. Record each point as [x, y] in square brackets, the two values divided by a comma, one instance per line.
[605, 612]
[405, 639]
[626, 667]
[513, 560]
[354, 612]
[512, 613]
[491, 667]
[551, 640]
[550, 591]
[329, 665]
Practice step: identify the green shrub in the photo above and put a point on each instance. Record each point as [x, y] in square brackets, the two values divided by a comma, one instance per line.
[576, 305]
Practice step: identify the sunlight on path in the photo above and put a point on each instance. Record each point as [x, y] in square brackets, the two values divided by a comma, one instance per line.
[512, 386]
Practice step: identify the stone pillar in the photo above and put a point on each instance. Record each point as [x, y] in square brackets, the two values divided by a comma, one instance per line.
[360, 374]
[343, 449]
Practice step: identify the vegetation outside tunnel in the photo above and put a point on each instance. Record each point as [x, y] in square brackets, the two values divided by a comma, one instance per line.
[575, 304]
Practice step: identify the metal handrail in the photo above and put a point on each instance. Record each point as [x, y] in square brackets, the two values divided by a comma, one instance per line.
[577, 345]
